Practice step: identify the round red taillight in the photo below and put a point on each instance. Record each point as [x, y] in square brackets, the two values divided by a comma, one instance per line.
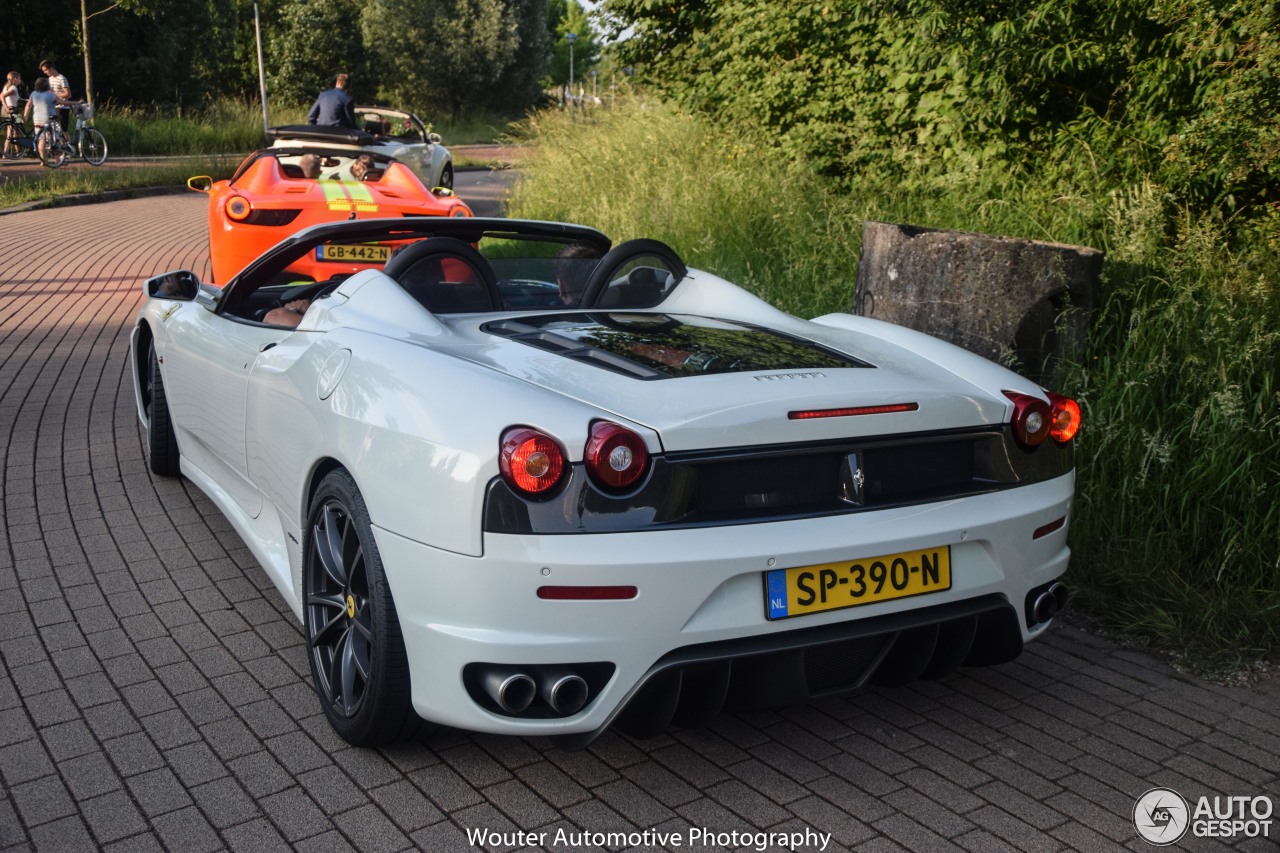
[1031, 418]
[1064, 418]
[531, 462]
[615, 456]
[238, 208]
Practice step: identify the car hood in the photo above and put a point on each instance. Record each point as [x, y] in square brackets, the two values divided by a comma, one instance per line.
[703, 383]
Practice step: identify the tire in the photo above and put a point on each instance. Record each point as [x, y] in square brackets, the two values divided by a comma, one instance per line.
[358, 663]
[93, 146]
[50, 148]
[446, 176]
[12, 150]
[162, 443]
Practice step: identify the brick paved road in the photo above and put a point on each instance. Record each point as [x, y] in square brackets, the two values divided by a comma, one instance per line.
[153, 689]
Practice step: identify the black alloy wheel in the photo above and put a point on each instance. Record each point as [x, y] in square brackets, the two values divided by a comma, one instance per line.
[358, 661]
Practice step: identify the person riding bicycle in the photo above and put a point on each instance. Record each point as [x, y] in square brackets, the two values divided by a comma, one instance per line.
[41, 107]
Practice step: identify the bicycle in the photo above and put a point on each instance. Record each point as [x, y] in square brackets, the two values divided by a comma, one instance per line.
[20, 143]
[86, 141]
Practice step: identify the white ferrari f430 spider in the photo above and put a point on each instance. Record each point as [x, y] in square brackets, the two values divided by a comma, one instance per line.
[520, 480]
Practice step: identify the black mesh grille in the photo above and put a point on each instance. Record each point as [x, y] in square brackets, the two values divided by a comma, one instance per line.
[271, 217]
[842, 665]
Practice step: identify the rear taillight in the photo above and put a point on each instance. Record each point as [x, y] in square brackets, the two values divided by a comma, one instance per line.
[1064, 418]
[238, 208]
[615, 456]
[1034, 420]
[532, 463]
[1031, 418]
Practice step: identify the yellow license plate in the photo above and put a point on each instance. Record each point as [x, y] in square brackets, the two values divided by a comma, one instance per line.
[363, 253]
[849, 583]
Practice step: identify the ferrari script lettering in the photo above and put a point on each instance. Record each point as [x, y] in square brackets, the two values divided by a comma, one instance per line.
[779, 377]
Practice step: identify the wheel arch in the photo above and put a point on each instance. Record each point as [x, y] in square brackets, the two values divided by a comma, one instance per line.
[319, 471]
[142, 340]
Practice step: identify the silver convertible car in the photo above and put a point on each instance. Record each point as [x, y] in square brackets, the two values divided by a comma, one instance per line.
[397, 134]
[517, 479]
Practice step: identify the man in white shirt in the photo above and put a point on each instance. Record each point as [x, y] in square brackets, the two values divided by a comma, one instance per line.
[58, 85]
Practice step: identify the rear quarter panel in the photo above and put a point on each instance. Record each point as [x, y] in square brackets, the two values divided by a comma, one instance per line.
[418, 429]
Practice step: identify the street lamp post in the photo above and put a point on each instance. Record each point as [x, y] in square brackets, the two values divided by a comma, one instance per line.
[571, 38]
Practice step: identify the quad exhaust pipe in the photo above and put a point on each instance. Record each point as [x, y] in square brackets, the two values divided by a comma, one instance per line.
[564, 692]
[513, 692]
[1049, 602]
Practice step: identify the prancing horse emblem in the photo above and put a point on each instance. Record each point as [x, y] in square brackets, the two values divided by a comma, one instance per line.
[856, 482]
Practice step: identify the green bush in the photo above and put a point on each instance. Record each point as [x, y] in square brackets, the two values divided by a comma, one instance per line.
[1178, 502]
[1185, 91]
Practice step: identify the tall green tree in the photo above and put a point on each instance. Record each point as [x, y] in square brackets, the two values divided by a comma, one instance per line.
[443, 56]
[564, 17]
[166, 52]
[313, 41]
[523, 84]
[657, 32]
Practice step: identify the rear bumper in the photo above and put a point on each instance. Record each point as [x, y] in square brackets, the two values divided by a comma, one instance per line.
[700, 602]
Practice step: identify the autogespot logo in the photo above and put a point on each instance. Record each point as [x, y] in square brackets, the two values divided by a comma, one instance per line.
[1161, 816]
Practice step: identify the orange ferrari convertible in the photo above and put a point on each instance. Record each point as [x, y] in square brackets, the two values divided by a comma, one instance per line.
[278, 191]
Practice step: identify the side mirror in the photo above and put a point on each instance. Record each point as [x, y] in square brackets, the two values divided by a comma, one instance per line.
[435, 138]
[179, 286]
[200, 183]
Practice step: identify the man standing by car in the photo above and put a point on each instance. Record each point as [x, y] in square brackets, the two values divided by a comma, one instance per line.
[334, 107]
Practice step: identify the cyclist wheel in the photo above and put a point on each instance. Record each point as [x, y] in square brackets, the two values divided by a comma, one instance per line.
[53, 152]
[12, 150]
[93, 146]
